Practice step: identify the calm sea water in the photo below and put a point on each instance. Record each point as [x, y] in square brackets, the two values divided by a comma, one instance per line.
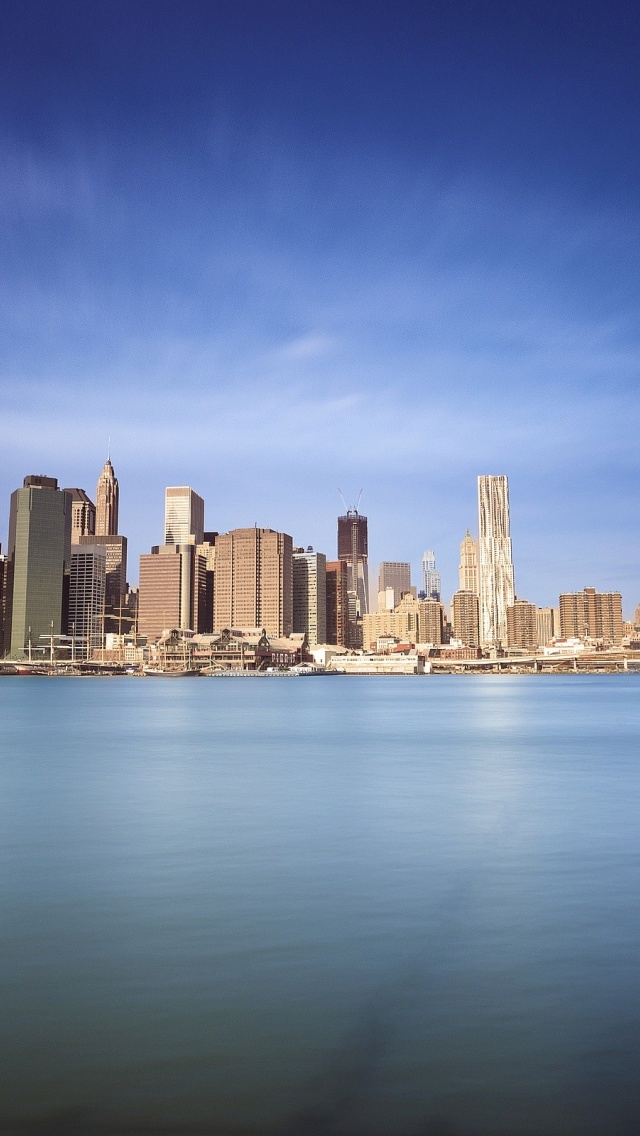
[321, 906]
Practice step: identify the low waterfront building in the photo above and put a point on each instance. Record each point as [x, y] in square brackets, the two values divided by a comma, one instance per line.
[368, 664]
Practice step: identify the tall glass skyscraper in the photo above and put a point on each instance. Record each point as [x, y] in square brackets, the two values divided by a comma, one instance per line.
[496, 563]
[38, 559]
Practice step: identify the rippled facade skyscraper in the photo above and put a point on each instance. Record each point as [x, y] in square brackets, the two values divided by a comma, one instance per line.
[496, 562]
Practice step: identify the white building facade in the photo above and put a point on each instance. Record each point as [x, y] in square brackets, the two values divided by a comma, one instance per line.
[310, 594]
[183, 515]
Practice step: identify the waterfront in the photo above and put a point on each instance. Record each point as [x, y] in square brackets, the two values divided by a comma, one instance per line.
[367, 906]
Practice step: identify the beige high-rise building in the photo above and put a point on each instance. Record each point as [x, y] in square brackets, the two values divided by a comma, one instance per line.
[83, 514]
[183, 515]
[591, 615]
[522, 627]
[468, 568]
[636, 618]
[403, 623]
[254, 581]
[310, 595]
[107, 500]
[495, 559]
[465, 613]
[412, 621]
[548, 624]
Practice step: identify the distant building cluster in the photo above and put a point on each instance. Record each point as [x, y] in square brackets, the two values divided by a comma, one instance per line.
[252, 598]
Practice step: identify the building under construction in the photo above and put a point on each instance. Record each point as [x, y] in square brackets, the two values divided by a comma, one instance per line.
[353, 549]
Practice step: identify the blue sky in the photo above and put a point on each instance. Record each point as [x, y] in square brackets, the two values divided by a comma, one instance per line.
[273, 249]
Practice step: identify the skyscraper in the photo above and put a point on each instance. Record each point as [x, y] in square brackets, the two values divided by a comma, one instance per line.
[337, 603]
[83, 514]
[353, 549]
[38, 559]
[468, 569]
[431, 584]
[496, 566]
[591, 615]
[522, 626]
[116, 580]
[547, 624]
[466, 619]
[310, 594]
[183, 516]
[253, 585]
[431, 614]
[107, 498]
[396, 575]
[86, 595]
[172, 590]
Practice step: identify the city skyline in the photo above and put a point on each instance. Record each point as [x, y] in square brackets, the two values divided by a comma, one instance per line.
[338, 263]
[184, 510]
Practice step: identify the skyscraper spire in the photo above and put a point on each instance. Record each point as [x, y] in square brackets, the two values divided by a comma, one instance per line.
[107, 495]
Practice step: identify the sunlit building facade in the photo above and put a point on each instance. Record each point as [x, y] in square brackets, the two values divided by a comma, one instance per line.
[107, 502]
[522, 626]
[337, 603]
[465, 615]
[83, 514]
[468, 568]
[547, 625]
[591, 615]
[310, 595]
[254, 581]
[495, 559]
[183, 515]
